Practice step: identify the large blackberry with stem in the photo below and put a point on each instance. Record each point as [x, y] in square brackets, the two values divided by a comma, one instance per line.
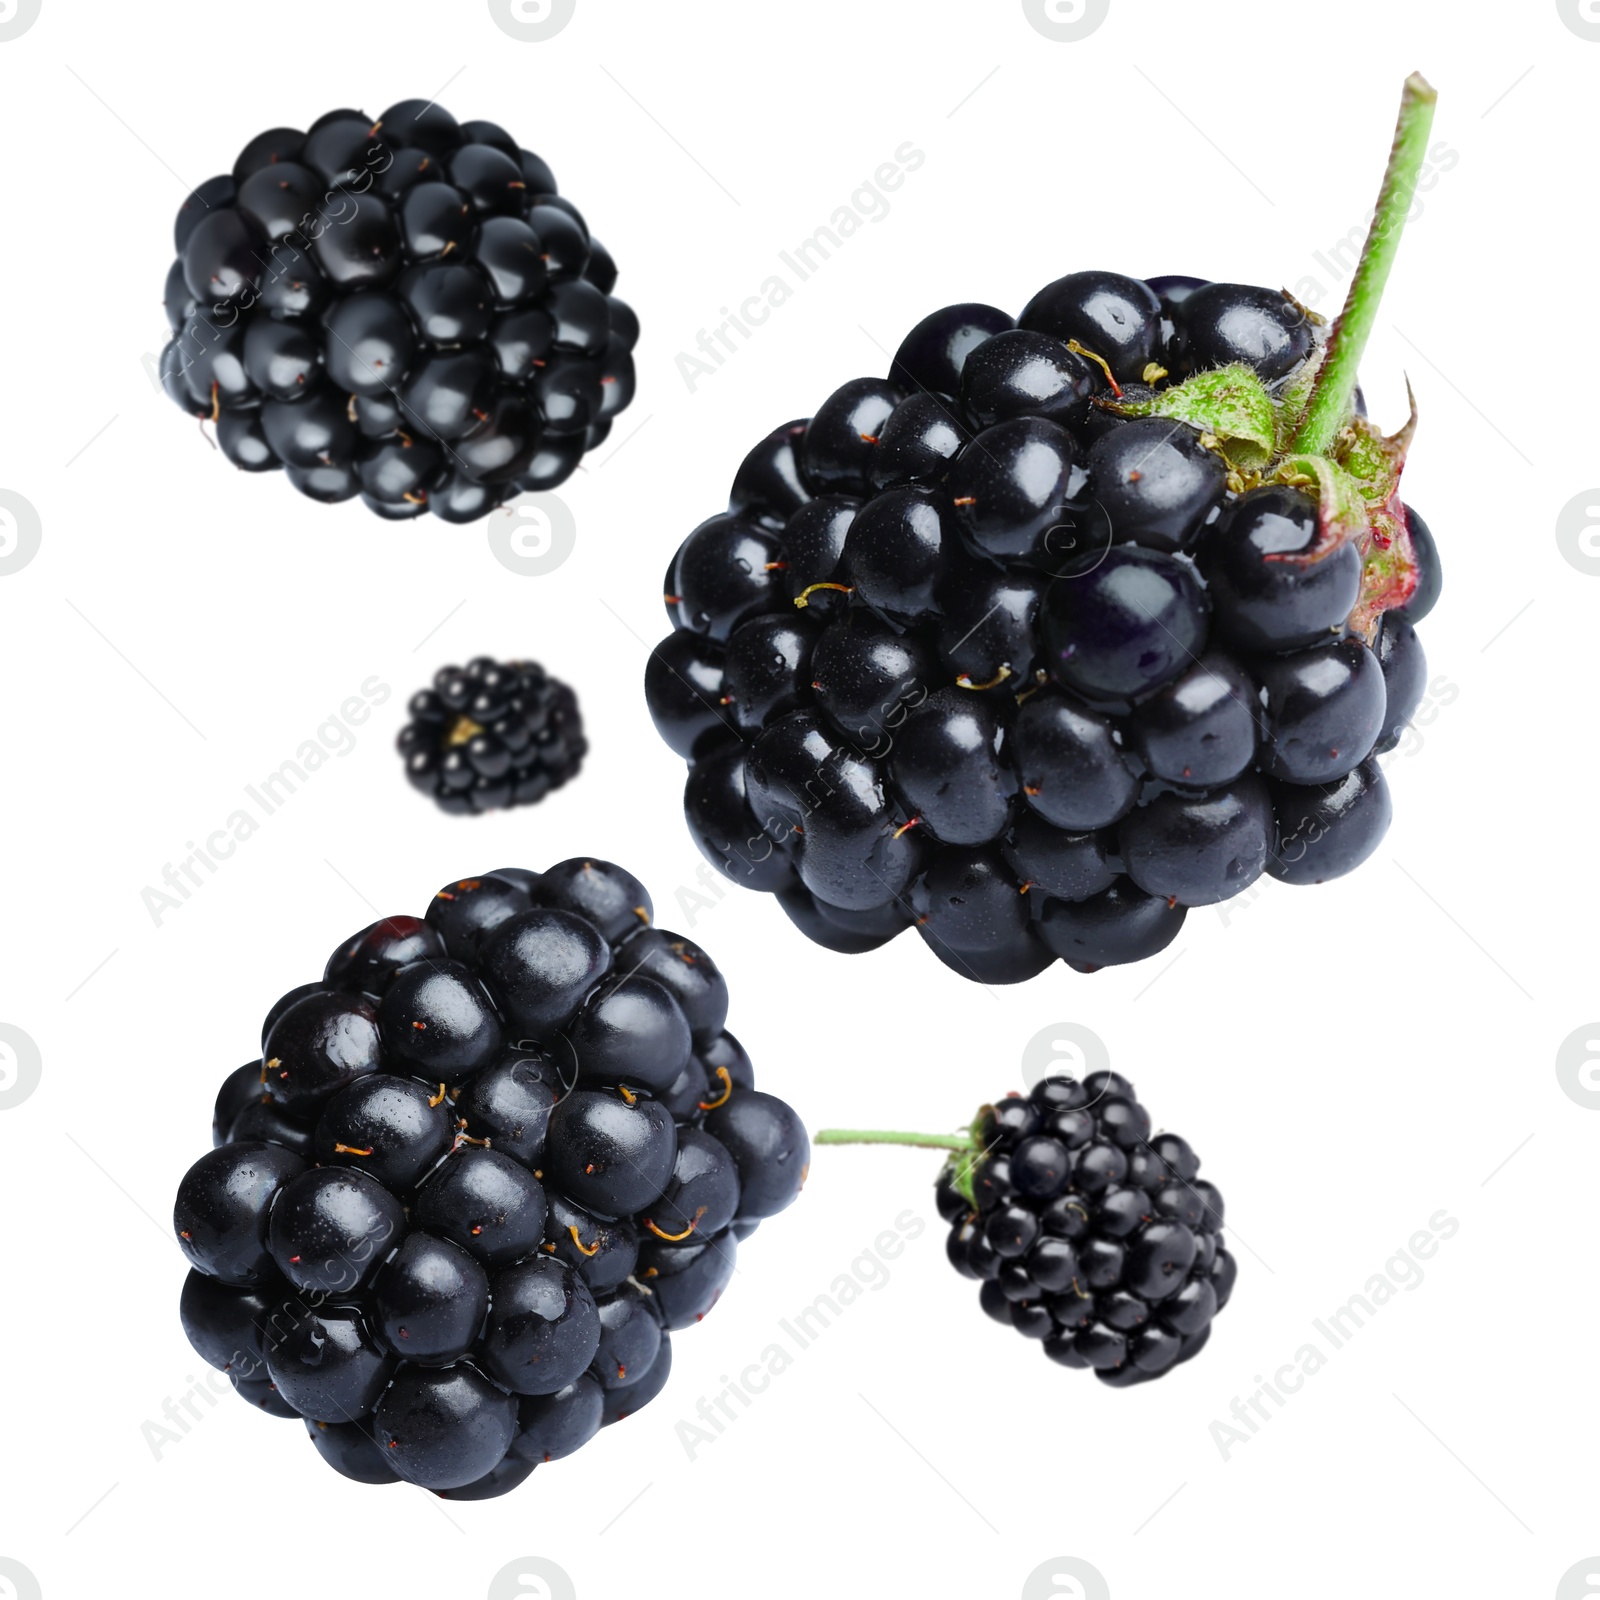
[481, 1173]
[1086, 1230]
[402, 308]
[492, 734]
[1070, 623]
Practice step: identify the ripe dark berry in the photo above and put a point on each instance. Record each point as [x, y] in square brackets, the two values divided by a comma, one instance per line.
[487, 1203]
[409, 261]
[1023, 646]
[367, 963]
[726, 571]
[1321, 710]
[934, 354]
[388, 1127]
[600, 892]
[948, 771]
[500, 1151]
[541, 966]
[1025, 374]
[1084, 1230]
[1328, 829]
[1075, 774]
[1430, 575]
[224, 1204]
[1198, 851]
[630, 1338]
[1157, 481]
[610, 1154]
[443, 1427]
[242, 1087]
[349, 1448]
[1009, 486]
[554, 1425]
[1118, 925]
[688, 1279]
[543, 1328]
[437, 1019]
[1262, 596]
[603, 1251]
[319, 1045]
[768, 1145]
[331, 1227]
[683, 685]
[634, 1033]
[463, 913]
[492, 734]
[922, 434]
[1118, 318]
[686, 972]
[1201, 729]
[1405, 678]
[1225, 322]
[1125, 627]
[429, 1300]
[836, 450]
[326, 1365]
[508, 1104]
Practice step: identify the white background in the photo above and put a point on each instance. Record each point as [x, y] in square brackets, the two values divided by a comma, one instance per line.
[1348, 1060]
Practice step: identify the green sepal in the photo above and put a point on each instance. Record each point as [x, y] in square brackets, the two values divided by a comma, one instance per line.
[1375, 459]
[1388, 570]
[1342, 509]
[1229, 404]
[962, 1167]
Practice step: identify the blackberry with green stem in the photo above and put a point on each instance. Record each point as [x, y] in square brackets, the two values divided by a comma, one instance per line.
[1077, 621]
[1085, 1230]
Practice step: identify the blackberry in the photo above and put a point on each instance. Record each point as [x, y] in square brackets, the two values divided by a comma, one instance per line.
[1076, 621]
[481, 1173]
[1084, 1229]
[402, 309]
[492, 734]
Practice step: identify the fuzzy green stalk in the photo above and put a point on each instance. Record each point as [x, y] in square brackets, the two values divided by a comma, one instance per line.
[925, 1141]
[1335, 387]
[961, 1169]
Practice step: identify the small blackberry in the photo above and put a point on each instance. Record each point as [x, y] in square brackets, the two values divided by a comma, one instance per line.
[503, 1152]
[403, 309]
[1074, 622]
[1085, 1230]
[492, 734]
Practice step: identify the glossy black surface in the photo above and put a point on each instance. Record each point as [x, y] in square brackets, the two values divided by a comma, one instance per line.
[1322, 711]
[1200, 851]
[370, 254]
[1225, 322]
[1129, 624]
[1265, 593]
[1118, 318]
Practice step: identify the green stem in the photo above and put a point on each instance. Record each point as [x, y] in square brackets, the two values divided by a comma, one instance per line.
[960, 1172]
[1335, 386]
[925, 1141]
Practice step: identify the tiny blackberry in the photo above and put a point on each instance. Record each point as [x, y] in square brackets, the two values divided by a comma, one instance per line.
[1074, 622]
[402, 309]
[1085, 1230]
[502, 1153]
[492, 734]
